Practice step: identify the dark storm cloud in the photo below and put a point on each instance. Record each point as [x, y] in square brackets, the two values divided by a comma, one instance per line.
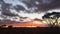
[49, 6]
[1, 1]
[44, 5]
[18, 8]
[53, 5]
[6, 9]
[29, 3]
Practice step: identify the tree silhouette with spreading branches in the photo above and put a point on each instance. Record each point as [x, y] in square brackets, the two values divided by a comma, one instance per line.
[52, 18]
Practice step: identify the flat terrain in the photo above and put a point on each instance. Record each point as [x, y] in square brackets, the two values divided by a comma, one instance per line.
[30, 30]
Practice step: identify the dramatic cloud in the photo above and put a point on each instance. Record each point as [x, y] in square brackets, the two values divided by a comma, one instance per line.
[27, 8]
[30, 6]
[43, 5]
[18, 8]
[5, 8]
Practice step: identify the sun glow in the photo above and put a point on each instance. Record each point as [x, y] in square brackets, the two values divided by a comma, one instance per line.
[24, 26]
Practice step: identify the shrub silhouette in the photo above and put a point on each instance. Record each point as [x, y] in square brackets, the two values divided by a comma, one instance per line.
[10, 26]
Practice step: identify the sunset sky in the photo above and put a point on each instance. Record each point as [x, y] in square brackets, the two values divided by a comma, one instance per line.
[20, 9]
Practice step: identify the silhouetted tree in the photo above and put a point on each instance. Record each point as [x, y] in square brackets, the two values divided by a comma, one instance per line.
[3, 25]
[52, 18]
[10, 26]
